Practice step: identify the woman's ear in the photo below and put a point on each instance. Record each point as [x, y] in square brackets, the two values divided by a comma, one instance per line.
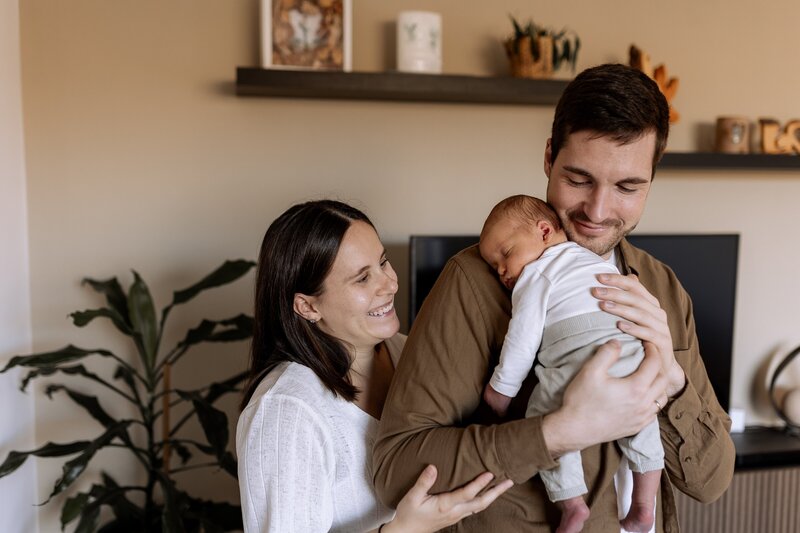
[304, 307]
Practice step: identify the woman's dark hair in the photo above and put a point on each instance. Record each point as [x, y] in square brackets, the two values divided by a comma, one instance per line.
[616, 101]
[296, 256]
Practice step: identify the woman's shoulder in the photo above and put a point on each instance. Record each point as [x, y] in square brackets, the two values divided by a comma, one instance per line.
[291, 384]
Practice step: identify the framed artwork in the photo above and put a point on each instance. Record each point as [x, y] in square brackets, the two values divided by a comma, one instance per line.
[306, 34]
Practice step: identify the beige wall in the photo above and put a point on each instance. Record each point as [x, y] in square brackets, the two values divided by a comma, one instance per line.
[139, 154]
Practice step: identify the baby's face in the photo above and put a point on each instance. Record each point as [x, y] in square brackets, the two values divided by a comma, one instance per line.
[508, 245]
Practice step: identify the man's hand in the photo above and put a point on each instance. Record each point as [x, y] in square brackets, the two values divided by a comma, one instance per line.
[600, 408]
[643, 318]
[497, 401]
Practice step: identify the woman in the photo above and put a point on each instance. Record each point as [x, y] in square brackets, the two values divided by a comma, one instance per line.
[325, 346]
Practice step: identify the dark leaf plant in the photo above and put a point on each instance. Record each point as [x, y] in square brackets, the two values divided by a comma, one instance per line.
[158, 505]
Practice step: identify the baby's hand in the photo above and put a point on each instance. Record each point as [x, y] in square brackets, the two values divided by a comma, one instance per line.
[498, 402]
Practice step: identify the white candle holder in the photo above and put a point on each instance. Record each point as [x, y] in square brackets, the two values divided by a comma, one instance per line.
[419, 42]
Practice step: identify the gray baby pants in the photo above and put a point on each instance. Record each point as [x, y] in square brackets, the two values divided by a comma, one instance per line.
[566, 345]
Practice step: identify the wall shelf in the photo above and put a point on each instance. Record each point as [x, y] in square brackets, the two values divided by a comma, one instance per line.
[711, 160]
[397, 86]
[448, 88]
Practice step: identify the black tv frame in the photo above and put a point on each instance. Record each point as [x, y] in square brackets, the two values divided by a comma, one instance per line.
[691, 256]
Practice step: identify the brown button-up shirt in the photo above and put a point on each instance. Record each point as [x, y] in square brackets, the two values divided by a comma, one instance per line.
[433, 412]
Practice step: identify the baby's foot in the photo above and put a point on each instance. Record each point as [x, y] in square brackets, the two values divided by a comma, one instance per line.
[574, 513]
[640, 518]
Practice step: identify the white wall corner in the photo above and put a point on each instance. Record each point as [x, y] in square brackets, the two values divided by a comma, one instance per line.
[17, 423]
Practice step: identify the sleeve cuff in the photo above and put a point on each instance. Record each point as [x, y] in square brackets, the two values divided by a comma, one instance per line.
[684, 409]
[522, 449]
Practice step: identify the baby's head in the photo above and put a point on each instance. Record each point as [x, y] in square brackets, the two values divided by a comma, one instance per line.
[517, 231]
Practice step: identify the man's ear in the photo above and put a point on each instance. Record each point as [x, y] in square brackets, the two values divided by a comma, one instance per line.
[304, 307]
[546, 229]
[548, 155]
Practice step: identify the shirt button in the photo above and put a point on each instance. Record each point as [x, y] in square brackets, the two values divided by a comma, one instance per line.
[679, 415]
[687, 459]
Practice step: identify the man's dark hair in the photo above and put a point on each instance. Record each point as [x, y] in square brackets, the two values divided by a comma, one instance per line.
[296, 256]
[615, 101]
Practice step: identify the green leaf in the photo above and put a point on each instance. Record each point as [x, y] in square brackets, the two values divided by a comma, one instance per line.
[89, 510]
[229, 272]
[89, 517]
[143, 318]
[89, 403]
[182, 451]
[517, 28]
[228, 463]
[75, 467]
[81, 318]
[72, 508]
[115, 297]
[15, 459]
[215, 390]
[127, 376]
[574, 59]
[122, 507]
[48, 359]
[237, 328]
[77, 370]
[213, 421]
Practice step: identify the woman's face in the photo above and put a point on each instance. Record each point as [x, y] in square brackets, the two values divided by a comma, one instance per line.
[357, 300]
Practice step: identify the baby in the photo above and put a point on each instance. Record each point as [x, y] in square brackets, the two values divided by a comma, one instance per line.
[557, 320]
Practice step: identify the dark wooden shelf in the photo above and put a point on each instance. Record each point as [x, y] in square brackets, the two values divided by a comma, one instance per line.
[711, 160]
[397, 86]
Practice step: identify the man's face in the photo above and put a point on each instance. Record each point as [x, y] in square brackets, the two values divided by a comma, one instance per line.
[599, 187]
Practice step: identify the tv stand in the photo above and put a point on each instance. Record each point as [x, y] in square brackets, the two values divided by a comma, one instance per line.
[764, 447]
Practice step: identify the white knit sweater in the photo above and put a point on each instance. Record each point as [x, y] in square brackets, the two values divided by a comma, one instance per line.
[305, 458]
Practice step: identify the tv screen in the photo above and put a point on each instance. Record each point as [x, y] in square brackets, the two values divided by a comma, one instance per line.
[706, 265]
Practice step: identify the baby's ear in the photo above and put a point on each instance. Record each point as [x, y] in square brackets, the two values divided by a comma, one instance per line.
[545, 228]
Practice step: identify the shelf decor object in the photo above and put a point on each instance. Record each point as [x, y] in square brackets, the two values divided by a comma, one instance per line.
[419, 42]
[640, 60]
[397, 86]
[306, 34]
[775, 141]
[732, 135]
[537, 52]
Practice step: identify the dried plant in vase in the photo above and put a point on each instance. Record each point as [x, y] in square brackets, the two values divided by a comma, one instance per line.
[537, 52]
[640, 60]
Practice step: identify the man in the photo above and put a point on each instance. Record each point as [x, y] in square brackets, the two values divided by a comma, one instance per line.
[609, 132]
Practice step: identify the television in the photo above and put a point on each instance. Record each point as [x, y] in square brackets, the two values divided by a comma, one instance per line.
[706, 265]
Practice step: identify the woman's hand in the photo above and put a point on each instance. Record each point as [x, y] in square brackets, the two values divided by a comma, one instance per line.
[420, 512]
[643, 318]
[600, 408]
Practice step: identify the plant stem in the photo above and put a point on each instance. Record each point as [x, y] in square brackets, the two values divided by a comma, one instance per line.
[152, 455]
[165, 452]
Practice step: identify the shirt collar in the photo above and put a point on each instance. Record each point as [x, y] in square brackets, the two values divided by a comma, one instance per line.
[627, 258]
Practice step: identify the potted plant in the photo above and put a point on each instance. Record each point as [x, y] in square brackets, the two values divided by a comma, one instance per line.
[536, 51]
[158, 505]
